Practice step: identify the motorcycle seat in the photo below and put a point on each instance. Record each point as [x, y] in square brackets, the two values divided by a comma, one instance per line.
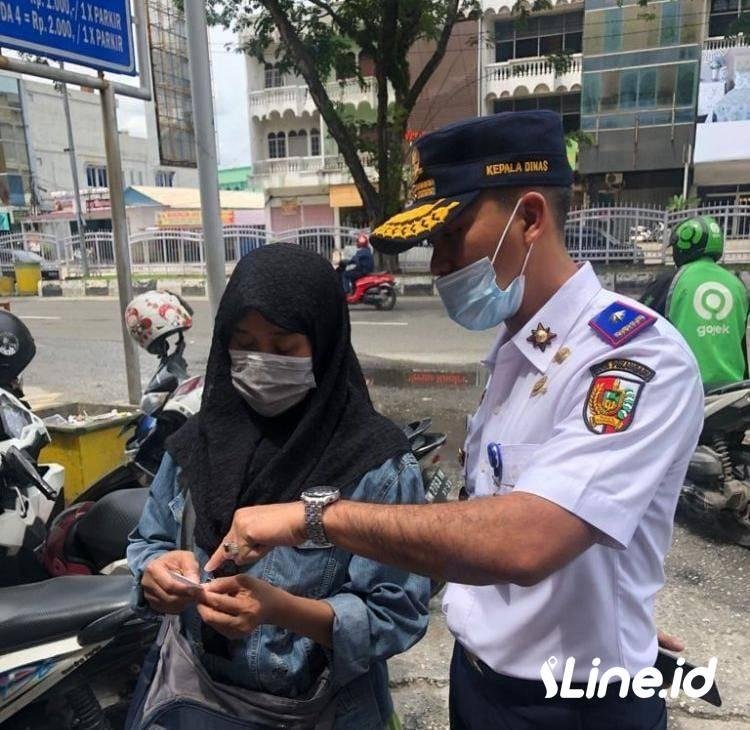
[52, 609]
[740, 385]
[102, 534]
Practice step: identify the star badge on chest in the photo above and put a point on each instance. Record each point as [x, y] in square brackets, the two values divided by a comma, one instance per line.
[541, 337]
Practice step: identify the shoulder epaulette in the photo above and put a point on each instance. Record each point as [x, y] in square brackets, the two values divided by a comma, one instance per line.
[620, 323]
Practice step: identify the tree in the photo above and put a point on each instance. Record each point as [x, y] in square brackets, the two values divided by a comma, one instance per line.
[319, 39]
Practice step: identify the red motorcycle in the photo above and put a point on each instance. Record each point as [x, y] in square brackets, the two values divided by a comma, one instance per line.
[378, 289]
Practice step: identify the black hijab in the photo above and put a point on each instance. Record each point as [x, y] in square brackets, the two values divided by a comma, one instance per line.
[230, 456]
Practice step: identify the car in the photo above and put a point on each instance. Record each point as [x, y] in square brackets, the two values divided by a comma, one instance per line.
[591, 242]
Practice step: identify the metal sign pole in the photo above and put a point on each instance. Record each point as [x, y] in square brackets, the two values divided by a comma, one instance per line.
[120, 236]
[205, 140]
[76, 188]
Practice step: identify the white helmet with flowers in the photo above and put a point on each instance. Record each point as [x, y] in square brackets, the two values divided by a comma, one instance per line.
[152, 316]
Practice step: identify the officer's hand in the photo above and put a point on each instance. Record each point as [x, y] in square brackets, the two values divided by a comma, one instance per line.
[165, 594]
[669, 642]
[255, 530]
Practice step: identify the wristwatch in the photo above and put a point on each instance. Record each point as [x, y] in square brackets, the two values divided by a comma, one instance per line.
[316, 499]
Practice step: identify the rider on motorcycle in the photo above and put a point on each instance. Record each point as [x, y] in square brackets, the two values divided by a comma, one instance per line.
[707, 303]
[361, 264]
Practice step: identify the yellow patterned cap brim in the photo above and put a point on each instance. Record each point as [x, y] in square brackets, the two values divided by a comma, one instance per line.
[418, 222]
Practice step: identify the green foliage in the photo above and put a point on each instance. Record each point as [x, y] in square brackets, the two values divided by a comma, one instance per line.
[584, 139]
[678, 202]
[322, 40]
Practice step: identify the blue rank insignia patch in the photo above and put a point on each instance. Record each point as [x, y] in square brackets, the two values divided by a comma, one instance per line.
[620, 322]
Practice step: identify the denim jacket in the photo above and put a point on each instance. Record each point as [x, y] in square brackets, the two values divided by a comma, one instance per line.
[379, 611]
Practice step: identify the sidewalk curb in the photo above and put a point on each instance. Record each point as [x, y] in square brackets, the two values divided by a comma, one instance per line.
[413, 375]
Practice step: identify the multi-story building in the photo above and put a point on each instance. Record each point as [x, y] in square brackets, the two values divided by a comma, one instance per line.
[623, 77]
[533, 62]
[722, 136]
[293, 158]
[640, 77]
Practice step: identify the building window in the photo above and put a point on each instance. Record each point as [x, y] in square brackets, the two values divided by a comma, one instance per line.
[164, 179]
[670, 24]
[723, 14]
[314, 142]
[568, 106]
[273, 76]
[659, 88]
[96, 176]
[538, 36]
[612, 30]
[276, 145]
[298, 143]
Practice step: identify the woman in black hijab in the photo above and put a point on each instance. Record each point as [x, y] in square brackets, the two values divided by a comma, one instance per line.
[285, 408]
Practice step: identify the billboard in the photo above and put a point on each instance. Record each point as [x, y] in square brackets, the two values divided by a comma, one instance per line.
[722, 133]
[172, 92]
[98, 36]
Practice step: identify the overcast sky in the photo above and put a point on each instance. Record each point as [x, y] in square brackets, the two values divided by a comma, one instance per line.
[230, 103]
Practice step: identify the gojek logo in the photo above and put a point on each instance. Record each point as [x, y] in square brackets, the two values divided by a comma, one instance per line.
[712, 301]
[644, 684]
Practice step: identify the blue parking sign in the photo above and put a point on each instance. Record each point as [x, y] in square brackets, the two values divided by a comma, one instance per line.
[95, 33]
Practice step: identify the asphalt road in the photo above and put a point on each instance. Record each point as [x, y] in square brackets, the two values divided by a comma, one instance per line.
[706, 597]
[80, 352]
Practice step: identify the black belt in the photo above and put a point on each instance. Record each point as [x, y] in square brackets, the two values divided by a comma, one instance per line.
[532, 690]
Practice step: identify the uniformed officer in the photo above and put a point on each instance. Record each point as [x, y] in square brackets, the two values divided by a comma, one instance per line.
[573, 461]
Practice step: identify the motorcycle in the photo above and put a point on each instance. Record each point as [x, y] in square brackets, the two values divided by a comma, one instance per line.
[170, 397]
[377, 289]
[716, 494]
[70, 652]
[30, 496]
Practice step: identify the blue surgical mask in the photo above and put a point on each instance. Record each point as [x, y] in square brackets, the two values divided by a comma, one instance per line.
[472, 297]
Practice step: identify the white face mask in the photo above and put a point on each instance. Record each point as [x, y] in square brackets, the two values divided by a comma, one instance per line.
[271, 384]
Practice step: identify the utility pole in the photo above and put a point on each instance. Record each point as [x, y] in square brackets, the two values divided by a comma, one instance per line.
[76, 187]
[205, 140]
[120, 235]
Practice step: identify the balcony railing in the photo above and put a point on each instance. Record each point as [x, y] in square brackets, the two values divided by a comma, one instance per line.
[296, 165]
[525, 69]
[298, 97]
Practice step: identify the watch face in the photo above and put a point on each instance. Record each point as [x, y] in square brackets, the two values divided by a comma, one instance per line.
[320, 492]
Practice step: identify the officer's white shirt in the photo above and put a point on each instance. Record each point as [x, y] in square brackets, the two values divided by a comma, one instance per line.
[625, 483]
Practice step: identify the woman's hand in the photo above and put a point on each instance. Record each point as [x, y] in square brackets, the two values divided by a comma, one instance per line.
[236, 606]
[165, 594]
[255, 530]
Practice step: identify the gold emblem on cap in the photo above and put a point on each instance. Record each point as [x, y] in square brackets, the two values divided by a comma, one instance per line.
[540, 387]
[562, 355]
[541, 337]
[416, 165]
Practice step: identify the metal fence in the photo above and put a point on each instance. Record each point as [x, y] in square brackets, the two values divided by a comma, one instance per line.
[633, 235]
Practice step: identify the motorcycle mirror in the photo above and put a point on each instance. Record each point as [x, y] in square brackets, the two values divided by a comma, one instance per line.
[18, 464]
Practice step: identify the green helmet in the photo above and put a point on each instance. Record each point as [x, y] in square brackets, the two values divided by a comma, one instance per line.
[695, 238]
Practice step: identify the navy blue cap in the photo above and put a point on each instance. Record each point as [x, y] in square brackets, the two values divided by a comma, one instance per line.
[452, 165]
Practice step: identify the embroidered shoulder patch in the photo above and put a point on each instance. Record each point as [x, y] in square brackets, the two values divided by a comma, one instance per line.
[620, 322]
[613, 395]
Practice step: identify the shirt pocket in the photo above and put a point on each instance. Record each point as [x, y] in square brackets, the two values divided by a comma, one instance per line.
[515, 459]
[307, 571]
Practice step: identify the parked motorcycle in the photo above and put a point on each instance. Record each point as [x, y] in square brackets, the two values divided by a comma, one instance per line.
[157, 321]
[70, 653]
[716, 494]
